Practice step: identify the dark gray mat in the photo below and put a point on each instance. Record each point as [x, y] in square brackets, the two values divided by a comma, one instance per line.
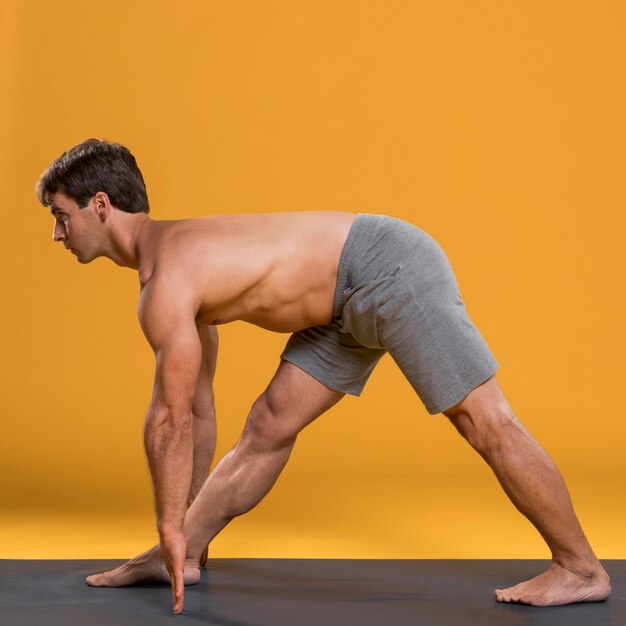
[297, 592]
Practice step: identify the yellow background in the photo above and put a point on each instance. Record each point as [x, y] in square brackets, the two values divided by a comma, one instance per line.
[497, 127]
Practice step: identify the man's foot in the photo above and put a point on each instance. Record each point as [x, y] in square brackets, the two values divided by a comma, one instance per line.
[145, 568]
[559, 586]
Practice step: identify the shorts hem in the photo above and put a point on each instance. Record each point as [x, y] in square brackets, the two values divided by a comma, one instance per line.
[321, 378]
[457, 396]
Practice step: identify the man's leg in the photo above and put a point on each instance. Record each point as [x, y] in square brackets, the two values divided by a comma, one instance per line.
[535, 486]
[247, 473]
[243, 477]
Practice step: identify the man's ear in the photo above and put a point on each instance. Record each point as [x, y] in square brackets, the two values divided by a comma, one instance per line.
[102, 204]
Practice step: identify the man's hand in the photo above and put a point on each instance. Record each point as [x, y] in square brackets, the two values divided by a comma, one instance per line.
[174, 550]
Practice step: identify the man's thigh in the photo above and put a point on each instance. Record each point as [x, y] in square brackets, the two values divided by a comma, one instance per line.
[295, 398]
[333, 357]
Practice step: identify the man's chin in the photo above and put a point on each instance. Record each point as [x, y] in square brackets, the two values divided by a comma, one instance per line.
[82, 257]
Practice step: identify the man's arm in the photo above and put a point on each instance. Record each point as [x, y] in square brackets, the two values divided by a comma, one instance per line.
[167, 317]
[203, 409]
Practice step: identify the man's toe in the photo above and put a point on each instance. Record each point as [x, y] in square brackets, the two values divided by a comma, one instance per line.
[94, 580]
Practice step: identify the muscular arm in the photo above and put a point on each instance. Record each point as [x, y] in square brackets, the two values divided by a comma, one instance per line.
[167, 317]
[203, 409]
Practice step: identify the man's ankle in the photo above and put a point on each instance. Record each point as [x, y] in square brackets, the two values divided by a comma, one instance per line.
[191, 560]
[584, 567]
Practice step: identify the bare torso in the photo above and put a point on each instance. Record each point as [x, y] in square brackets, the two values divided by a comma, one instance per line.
[275, 270]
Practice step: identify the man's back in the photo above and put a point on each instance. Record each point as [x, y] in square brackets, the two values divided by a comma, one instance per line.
[274, 270]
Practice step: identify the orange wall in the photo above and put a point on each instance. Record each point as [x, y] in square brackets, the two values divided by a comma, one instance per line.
[496, 127]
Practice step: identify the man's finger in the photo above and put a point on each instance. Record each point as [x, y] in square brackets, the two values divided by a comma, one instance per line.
[178, 590]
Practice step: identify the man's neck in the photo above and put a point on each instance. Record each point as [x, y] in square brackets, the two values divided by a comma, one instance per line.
[127, 239]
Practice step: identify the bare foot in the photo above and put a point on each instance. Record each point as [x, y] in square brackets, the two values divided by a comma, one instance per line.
[559, 586]
[145, 568]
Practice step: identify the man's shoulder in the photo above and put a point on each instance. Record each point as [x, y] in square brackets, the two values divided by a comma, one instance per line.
[167, 307]
[167, 251]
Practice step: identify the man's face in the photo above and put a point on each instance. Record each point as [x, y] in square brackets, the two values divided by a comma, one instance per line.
[74, 227]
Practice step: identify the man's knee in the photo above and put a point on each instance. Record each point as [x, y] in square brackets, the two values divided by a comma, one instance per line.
[484, 417]
[267, 427]
[485, 432]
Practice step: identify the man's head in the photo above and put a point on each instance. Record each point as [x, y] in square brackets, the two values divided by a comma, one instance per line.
[84, 186]
[91, 166]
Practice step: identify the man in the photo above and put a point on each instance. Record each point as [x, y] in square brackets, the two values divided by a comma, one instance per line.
[350, 288]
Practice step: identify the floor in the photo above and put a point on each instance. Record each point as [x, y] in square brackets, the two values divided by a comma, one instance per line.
[297, 592]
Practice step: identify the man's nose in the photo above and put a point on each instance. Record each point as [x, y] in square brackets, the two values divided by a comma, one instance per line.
[57, 233]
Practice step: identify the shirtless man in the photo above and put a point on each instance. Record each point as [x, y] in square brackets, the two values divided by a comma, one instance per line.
[350, 288]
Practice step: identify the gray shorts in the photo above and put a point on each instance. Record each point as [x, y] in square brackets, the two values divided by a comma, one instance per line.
[396, 292]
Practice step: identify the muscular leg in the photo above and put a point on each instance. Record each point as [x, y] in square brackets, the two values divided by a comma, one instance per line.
[243, 477]
[535, 486]
[247, 473]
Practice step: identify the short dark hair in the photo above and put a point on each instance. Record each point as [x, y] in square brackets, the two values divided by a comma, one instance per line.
[91, 166]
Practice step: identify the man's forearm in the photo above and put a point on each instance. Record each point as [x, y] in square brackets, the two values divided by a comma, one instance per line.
[168, 442]
[204, 437]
